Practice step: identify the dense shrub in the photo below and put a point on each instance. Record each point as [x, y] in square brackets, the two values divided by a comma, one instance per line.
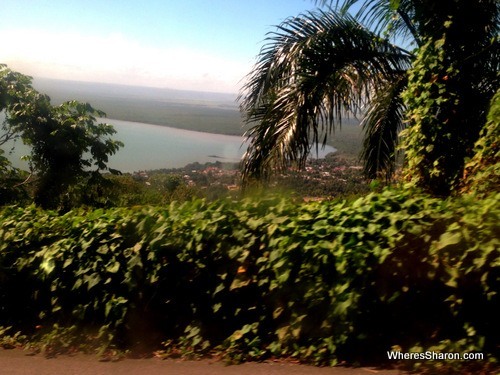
[11, 189]
[482, 172]
[257, 278]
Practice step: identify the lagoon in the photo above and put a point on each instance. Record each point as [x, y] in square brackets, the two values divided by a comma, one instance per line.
[154, 147]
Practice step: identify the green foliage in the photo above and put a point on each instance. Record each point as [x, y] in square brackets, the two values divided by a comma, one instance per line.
[332, 177]
[8, 341]
[482, 172]
[125, 191]
[321, 66]
[320, 282]
[68, 148]
[428, 135]
[314, 70]
[10, 178]
[447, 99]
[11, 189]
[158, 189]
[451, 83]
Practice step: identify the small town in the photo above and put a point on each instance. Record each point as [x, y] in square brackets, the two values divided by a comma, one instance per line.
[329, 178]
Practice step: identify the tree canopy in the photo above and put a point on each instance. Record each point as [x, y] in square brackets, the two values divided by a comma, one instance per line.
[68, 146]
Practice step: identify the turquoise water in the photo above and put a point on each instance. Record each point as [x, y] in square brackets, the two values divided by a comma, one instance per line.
[154, 147]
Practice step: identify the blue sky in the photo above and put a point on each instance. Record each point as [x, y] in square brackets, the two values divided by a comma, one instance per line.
[207, 45]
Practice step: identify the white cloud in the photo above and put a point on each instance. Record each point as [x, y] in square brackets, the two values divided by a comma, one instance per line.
[116, 59]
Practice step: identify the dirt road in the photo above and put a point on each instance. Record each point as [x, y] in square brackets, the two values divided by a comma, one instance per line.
[17, 362]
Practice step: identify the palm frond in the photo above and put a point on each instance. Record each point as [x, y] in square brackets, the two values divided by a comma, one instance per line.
[394, 18]
[315, 69]
[382, 124]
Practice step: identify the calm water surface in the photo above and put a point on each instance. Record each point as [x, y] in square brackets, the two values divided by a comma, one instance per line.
[154, 147]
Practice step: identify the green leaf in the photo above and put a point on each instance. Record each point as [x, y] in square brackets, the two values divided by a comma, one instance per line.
[219, 288]
[216, 307]
[449, 239]
[277, 312]
[238, 283]
[114, 268]
[92, 280]
[48, 265]
[394, 4]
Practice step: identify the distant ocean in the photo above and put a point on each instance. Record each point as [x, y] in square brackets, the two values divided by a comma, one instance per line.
[154, 147]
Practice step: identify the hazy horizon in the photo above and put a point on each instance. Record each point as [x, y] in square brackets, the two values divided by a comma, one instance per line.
[184, 109]
[193, 45]
[39, 80]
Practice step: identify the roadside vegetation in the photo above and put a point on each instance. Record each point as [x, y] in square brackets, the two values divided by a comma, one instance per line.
[326, 262]
[254, 279]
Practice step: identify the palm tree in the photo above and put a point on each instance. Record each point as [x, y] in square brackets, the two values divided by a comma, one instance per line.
[324, 65]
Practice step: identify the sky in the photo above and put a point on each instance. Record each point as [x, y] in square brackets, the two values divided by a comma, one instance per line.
[203, 45]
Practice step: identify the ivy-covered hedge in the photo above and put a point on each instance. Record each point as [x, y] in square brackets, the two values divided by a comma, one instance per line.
[256, 278]
[482, 172]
